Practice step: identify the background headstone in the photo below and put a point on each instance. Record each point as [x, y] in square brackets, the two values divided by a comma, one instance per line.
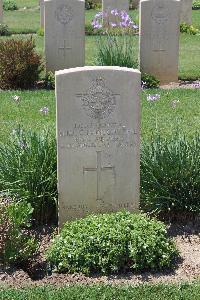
[186, 11]
[64, 34]
[159, 38]
[98, 137]
[1, 11]
[108, 5]
[41, 3]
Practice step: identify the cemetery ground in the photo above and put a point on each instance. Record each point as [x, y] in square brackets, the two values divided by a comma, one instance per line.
[176, 111]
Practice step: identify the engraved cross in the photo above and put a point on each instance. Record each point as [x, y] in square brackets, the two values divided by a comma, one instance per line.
[99, 169]
[64, 48]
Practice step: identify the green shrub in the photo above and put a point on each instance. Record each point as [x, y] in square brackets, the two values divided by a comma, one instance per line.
[16, 245]
[115, 47]
[196, 4]
[149, 81]
[116, 50]
[50, 81]
[187, 28]
[9, 5]
[4, 31]
[110, 243]
[40, 32]
[28, 169]
[20, 65]
[170, 177]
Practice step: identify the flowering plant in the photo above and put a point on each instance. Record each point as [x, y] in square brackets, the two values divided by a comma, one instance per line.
[115, 47]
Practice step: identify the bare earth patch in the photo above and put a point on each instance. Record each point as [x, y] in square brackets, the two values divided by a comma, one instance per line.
[182, 84]
[187, 268]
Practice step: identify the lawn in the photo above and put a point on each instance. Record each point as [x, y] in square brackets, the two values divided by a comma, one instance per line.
[27, 21]
[103, 292]
[159, 117]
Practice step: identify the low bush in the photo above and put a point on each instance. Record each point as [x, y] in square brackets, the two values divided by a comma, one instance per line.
[20, 65]
[170, 177]
[187, 28]
[49, 81]
[149, 81]
[28, 170]
[15, 245]
[9, 5]
[110, 243]
[40, 32]
[196, 4]
[115, 47]
[4, 31]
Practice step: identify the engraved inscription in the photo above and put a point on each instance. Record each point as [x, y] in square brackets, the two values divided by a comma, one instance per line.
[160, 13]
[99, 169]
[105, 135]
[99, 101]
[159, 34]
[64, 14]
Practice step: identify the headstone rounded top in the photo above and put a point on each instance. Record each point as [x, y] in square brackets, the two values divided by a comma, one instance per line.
[96, 68]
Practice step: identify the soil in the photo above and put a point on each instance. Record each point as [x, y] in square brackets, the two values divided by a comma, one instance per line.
[186, 84]
[35, 273]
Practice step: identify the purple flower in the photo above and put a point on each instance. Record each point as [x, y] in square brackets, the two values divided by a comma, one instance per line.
[114, 12]
[153, 98]
[44, 110]
[196, 85]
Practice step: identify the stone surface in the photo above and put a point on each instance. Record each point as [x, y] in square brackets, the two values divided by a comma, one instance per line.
[186, 11]
[64, 34]
[159, 38]
[1, 11]
[98, 137]
[41, 13]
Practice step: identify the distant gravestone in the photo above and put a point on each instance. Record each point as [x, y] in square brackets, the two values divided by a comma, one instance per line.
[64, 34]
[159, 38]
[1, 11]
[98, 134]
[41, 13]
[186, 11]
[109, 5]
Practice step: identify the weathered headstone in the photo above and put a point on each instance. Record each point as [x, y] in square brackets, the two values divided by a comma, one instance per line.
[1, 11]
[64, 34]
[186, 11]
[98, 137]
[109, 5]
[159, 38]
[41, 2]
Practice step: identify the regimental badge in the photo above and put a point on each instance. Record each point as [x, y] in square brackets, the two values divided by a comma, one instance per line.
[64, 14]
[98, 101]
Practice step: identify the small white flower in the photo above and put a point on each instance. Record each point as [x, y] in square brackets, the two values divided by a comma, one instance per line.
[44, 110]
[174, 103]
[16, 98]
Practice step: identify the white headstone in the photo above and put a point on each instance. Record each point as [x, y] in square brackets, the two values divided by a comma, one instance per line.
[159, 38]
[64, 34]
[186, 11]
[98, 137]
[41, 13]
[1, 11]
